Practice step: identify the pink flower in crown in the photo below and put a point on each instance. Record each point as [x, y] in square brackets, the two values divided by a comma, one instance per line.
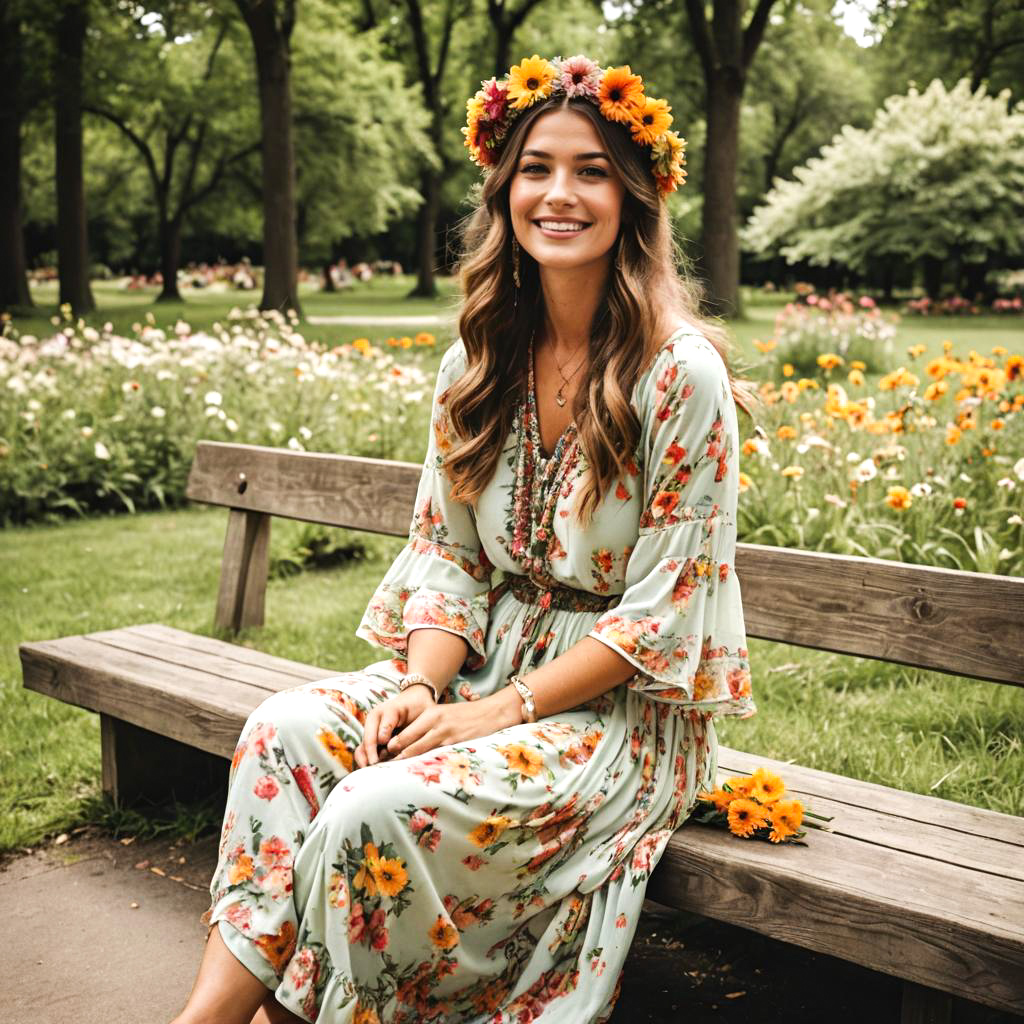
[579, 76]
[495, 99]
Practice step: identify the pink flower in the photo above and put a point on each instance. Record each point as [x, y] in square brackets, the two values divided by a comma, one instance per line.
[266, 787]
[433, 839]
[421, 819]
[356, 923]
[378, 933]
[260, 737]
[579, 76]
[495, 99]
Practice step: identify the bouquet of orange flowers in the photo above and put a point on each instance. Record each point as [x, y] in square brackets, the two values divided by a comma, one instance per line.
[752, 807]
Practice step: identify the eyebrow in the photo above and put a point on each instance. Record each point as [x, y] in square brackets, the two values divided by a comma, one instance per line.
[597, 155]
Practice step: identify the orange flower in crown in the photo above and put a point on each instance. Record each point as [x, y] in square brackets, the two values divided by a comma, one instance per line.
[616, 92]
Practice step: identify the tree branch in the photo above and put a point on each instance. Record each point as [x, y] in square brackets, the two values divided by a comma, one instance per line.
[754, 32]
[701, 33]
[137, 141]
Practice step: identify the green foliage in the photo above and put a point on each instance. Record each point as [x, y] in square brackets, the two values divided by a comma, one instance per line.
[938, 173]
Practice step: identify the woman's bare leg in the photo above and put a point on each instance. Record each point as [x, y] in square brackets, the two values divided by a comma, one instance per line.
[225, 992]
[272, 1012]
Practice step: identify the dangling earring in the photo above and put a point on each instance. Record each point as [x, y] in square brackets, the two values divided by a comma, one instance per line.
[618, 253]
[515, 272]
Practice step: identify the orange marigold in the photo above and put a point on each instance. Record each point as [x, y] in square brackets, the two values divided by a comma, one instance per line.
[529, 81]
[746, 817]
[786, 816]
[766, 786]
[651, 120]
[620, 94]
[522, 759]
[443, 934]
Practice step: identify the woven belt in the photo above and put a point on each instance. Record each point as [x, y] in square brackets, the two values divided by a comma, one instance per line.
[528, 591]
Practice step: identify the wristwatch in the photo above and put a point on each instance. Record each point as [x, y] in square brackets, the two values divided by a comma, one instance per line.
[529, 708]
[413, 678]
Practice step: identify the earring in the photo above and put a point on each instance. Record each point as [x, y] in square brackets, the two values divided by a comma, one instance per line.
[618, 253]
[515, 263]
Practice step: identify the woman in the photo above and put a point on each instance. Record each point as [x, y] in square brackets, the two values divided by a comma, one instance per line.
[389, 857]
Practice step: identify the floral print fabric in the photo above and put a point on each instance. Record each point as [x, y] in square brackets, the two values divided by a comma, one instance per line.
[501, 880]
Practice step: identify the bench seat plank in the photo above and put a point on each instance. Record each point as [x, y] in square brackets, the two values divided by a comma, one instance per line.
[914, 886]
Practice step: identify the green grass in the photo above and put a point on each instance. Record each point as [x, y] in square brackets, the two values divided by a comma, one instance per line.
[919, 731]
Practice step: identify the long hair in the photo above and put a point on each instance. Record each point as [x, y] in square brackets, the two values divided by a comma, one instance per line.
[623, 339]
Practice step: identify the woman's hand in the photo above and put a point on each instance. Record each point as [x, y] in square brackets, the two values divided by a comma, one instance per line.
[442, 724]
[387, 718]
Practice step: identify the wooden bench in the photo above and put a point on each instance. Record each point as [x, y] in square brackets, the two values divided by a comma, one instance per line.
[927, 890]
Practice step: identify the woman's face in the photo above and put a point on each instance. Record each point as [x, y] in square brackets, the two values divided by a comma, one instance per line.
[565, 197]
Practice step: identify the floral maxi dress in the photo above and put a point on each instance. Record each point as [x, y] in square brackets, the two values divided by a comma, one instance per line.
[501, 879]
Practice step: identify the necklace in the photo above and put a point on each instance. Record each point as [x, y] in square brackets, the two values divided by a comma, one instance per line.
[559, 394]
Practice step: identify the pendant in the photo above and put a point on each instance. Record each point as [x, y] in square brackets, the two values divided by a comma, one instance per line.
[559, 398]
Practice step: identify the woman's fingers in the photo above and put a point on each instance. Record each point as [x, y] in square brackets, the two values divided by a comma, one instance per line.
[415, 730]
[366, 752]
[428, 741]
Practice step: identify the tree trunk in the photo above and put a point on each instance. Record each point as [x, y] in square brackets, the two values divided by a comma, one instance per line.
[719, 242]
[932, 267]
[328, 279]
[14, 290]
[72, 229]
[426, 240]
[170, 258]
[280, 240]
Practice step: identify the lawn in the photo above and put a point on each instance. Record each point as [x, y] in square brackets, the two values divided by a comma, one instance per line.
[919, 731]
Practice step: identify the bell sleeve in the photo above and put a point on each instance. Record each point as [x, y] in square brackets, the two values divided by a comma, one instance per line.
[680, 617]
[442, 577]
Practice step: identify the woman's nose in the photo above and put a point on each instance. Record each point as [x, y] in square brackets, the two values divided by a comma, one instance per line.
[560, 186]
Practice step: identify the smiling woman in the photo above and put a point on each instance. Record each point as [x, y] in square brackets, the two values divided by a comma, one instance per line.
[484, 857]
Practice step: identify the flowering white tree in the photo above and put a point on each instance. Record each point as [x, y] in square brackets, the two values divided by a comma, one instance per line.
[938, 175]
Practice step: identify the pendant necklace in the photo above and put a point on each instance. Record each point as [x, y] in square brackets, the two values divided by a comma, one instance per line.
[559, 396]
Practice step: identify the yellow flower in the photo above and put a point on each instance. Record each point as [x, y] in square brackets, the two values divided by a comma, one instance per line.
[620, 94]
[764, 346]
[424, 338]
[366, 876]
[746, 817]
[793, 471]
[521, 759]
[829, 360]
[857, 364]
[489, 830]
[786, 817]
[952, 434]
[651, 120]
[766, 786]
[916, 350]
[789, 391]
[785, 433]
[898, 497]
[336, 747]
[788, 369]
[745, 482]
[390, 876]
[530, 81]
[442, 934]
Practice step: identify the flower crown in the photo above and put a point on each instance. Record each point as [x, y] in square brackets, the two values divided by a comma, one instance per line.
[616, 92]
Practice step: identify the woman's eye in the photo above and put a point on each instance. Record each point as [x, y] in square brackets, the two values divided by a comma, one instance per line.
[530, 168]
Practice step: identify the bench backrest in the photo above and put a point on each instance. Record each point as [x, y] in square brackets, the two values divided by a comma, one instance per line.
[961, 623]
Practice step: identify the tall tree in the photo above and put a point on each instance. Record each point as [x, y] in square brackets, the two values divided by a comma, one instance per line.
[175, 55]
[271, 23]
[506, 18]
[72, 227]
[14, 289]
[726, 50]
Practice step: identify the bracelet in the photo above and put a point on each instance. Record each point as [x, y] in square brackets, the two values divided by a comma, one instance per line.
[529, 708]
[417, 678]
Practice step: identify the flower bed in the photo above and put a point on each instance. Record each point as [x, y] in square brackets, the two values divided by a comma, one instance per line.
[91, 421]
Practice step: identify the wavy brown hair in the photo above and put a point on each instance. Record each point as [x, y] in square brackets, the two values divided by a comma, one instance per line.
[623, 339]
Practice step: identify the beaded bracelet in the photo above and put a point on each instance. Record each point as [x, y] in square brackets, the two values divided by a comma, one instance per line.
[416, 678]
[529, 707]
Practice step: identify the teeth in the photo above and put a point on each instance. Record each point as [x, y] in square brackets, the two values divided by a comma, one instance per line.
[559, 226]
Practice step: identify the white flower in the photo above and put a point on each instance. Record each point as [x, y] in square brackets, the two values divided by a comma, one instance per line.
[1015, 520]
[921, 490]
[866, 471]
[212, 410]
[231, 425]
[101, 450]
[1006, 482]
[212, 398]
[813, 513]
[295, 444]
[34, 404]
[834, 499]
[852, 457]
[274, 426]
[86, 432]
[1018, 468]
[305, 433]
[966, 479]
[91, 334]
[68, 414]
[158, 412]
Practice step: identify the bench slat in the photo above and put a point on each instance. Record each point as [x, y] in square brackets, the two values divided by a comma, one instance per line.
[890, 911]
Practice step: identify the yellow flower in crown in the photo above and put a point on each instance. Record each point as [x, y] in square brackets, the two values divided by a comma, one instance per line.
[530, 81]
[617, 92]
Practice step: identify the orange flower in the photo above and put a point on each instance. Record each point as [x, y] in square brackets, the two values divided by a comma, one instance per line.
[278, 948]
[366, 876]
[786, 817]
[442, 934]
[651, 120]
[241, 870]
[746, 817]
[739, 784]
[720, 798]
[530, 81]
[621, 94]
[365, 1015]
[521, 759]
[336, 747]
[766, 786]
[489, 830]
[899, 498]
[390, 876]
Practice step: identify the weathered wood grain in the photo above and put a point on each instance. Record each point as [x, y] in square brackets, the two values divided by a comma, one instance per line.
[945, 928]
[243, 572]
[376, 495]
